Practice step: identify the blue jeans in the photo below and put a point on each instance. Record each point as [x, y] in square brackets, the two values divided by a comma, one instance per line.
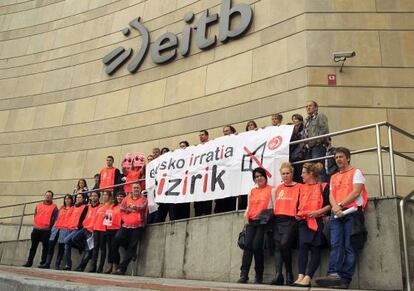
[318, 151]
[343, 257]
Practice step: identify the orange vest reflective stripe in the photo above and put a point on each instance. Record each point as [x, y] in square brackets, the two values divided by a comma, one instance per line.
[63, 218]
[132, 217]
[107, 176]
[286, 200]
[259, 199]
[75, 217]
[89, 220]
[43, 215]
[100, 216]
[342, 184]
[132, 176]
[116, 218]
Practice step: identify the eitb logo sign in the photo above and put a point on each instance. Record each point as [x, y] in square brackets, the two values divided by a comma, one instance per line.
[166, 47]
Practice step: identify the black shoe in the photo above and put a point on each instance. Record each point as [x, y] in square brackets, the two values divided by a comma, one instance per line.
[289, 279]
[79, 269]
[258, 280]
[67, 268]
[27, 265]
[329, 281]
[93, 270]
[119, 272]
[44, 266]
[278, 280]
[243, 279]
[343, 285]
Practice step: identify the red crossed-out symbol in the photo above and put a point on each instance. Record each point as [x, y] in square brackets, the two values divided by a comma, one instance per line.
[254, 158]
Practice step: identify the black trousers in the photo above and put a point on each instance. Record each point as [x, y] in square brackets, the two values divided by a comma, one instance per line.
[36, 237]
[225, 205]
[284, 238]
[243, 202]
[109, 238]
[313, 242]
[180, 211]
[203, 208]
[99, 242]
[128, 237]
[254, 248]
[165, 209]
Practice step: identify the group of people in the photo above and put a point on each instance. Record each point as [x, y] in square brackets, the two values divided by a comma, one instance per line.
[299, 206]
[91, 228]
[300, 212]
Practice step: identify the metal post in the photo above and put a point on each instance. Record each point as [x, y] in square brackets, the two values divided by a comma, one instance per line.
[405, 246]
[392, 162]
[379, 155]
[21, 222]
[237, 203]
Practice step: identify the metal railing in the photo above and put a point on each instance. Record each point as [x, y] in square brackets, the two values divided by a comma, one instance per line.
[378, 148]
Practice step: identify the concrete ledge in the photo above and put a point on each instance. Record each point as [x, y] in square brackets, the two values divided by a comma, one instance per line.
[22, 279]
[205, 249]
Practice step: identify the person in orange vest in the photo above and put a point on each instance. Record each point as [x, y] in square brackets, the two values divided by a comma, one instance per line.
[44, 218]
[259, 199]
[134, 209]
[348, 198]
[99, 231]
[59, 232]
[313, 205]
[82, 237]
[109, 175]
[114, 216]
[74, 225]
[285, 224]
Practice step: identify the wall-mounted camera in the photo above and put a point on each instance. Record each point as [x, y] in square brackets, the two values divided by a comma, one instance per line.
[342, 56]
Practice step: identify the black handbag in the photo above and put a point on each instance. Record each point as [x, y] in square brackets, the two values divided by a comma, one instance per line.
[241, 241]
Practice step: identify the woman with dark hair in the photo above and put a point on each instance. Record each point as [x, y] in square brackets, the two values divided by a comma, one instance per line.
[313, 205]
[259, 200]
[251, 125]
[164, 150]
[285, 224]
[113, 224]
[59, 232]
[82, 186]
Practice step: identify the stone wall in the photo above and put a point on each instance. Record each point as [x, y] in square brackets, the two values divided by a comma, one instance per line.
[205, 249]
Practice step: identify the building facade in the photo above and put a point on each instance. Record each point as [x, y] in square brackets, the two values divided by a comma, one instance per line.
[61, 114]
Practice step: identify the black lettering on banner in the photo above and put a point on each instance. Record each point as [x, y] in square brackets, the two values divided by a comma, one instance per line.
[193, 181]
[216, 179]
[173, 183]
[180, 163]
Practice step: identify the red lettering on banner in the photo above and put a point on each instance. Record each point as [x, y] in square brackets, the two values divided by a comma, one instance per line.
[162, 183]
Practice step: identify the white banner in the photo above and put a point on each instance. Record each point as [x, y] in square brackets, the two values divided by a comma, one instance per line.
[219, 168]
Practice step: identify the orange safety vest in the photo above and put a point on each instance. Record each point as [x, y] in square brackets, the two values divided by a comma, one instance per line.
[311, 199]
[342, 184]
[63, 218]
[75, 217]
[259, 199]
[286, 200]
[43, 215]
[132, 176]
[100, 216]
[89, 220]
[116, 218]
[132, 217]
[107, 178]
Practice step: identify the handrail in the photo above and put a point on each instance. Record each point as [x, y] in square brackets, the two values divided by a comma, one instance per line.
[404, 237]
[63, 195]
[378, 148]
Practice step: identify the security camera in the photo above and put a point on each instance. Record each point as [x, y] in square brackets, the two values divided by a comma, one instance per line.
[339, 55]
[342, 56]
